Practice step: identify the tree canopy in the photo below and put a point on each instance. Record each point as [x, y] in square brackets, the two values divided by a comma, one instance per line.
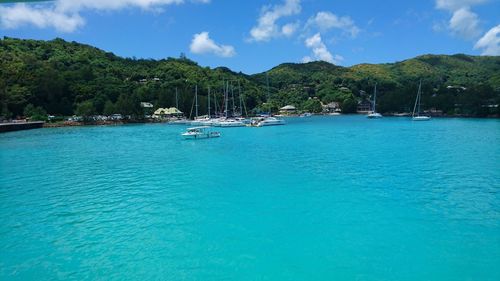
[64, 78]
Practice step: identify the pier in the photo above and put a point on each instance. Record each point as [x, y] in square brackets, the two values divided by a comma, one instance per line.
[14, 126]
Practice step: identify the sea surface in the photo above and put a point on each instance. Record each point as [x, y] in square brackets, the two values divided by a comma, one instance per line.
[322, 198]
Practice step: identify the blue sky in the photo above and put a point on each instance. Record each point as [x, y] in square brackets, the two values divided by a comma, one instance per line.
[253, 36]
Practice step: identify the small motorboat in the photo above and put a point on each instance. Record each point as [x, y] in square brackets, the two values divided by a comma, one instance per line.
[268, 121]
[374, 115]
[203, 132]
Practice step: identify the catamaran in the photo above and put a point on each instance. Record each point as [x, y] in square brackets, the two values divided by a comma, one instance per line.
[374, 114]
[416, 108]
[268, 121]
[203, 132]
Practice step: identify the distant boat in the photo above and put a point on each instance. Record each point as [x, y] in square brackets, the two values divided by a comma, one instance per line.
[374, 114]
[203, 132]
[228, 123]
[415, 116]
[268, 121]
[306, 114]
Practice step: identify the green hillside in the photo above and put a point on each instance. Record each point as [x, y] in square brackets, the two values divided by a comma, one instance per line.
[397, 83]
[63, 78]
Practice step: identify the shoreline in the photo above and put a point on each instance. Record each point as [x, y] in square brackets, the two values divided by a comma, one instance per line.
[19, 126]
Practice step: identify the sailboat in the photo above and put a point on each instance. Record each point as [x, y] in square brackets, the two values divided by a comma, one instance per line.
[416, 108]
[374, 114]
[178, 120]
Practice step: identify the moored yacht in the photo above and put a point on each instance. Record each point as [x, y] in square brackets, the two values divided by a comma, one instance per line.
[269, 121]
[228, 123]
[203, 132]
[416, 108]
[374, 114]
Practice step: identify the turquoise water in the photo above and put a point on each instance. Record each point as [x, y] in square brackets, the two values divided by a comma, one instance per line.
[322, 198]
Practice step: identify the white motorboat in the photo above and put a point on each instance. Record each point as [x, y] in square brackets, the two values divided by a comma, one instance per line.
[421, 118]
[228, 123]
[374, 115]
[203, 132]
[270, 121]
[416, 108]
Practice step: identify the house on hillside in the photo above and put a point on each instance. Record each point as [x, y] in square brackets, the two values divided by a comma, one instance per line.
[333, 107]
[364, 107]
[167, 113]
[287, 110]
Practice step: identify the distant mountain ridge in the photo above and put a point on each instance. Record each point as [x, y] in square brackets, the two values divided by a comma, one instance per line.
[60, 77]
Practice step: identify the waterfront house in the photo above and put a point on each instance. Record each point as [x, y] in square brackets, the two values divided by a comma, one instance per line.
[364, 107]
[333, 107]
[287, 110]
[167, 113]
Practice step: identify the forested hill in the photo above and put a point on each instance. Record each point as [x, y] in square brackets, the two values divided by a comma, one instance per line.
[62, 77]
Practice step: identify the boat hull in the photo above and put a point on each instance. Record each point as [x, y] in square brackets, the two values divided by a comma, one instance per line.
[201, 135]
[374, 115]
[421, 118]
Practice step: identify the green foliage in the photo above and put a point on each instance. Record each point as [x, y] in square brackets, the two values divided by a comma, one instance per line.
[349, 105]
[85, 109]
[109, 108]
[312, 105]
[61, 76]
[35, 113]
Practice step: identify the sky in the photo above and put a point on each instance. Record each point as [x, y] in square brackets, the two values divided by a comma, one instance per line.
[254, 36]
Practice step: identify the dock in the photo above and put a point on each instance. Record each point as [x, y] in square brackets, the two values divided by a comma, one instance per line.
[18, 126]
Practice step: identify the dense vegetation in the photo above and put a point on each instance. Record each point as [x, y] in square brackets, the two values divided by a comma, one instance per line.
[66, 78]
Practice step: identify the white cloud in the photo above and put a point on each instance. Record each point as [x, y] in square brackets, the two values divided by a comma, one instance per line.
[465, 23]
[320, 51]
[78, 5]
[327, 20]
[64, 15]
[289, 29]
[267, 28]
[202, 44]
[21, 14]
[453, 5]
[490, 42]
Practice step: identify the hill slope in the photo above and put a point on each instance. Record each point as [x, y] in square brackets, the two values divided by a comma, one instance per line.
[63, 77]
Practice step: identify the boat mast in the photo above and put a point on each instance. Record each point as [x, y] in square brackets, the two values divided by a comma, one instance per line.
[267, 83]
[196, 99]
[232, 97]
[226, 97]
[417, 100]
[239, 95]
[375, 99]
[208, 102]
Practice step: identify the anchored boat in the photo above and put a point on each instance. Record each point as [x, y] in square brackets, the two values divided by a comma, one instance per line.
[203, 132]
[374, 114]
[416, 109]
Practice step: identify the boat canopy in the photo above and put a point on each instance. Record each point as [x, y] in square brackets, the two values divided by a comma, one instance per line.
[288, 107]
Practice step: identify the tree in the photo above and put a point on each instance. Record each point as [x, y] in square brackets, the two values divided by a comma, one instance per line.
[312, 105]
[349, 105]
[35, 113]
[109, 108]
[85, 109]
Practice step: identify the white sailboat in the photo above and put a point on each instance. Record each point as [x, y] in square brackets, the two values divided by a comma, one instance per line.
[416, 108]
[179, 120]
[374, 114]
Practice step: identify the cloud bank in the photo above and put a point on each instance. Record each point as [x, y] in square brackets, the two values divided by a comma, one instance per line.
[202, 44]
[320, 51]
[64, 15]
[267, 27]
